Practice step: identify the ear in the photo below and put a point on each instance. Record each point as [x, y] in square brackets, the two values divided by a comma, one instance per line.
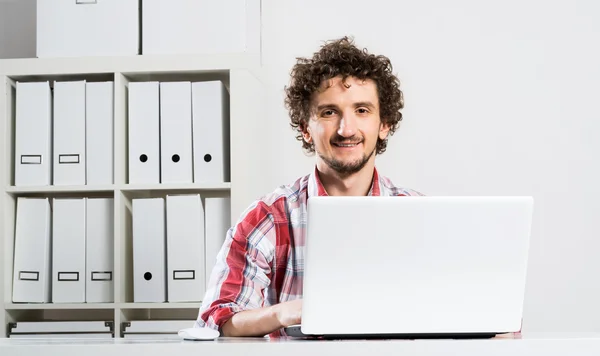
[384, 129]
[306, 134]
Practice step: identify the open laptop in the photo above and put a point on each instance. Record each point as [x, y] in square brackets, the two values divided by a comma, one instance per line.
[414, 267]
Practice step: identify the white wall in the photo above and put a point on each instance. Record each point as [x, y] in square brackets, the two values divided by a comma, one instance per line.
[17, 28]
[501, 99]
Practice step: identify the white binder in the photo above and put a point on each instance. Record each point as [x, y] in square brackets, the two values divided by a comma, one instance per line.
[144, 133]
[176, 132]
[185, 248]
[80, 28]
[99, 132]
[217, 222]
[33, 160]
[99, 226]
[201, 26]
[152, 329]
[68, 250]
[149, 255]
[61, 336]
[31, 278]
[69, 133]
[61, 329]
[210, 110]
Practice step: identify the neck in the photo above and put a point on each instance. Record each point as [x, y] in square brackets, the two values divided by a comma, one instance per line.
[355, 184]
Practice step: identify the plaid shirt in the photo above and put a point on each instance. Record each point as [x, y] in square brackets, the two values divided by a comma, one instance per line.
[261, 262]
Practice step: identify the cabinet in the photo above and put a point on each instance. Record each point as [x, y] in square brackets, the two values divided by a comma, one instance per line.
[241, 75]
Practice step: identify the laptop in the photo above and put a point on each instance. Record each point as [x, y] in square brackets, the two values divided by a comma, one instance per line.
[414, 267]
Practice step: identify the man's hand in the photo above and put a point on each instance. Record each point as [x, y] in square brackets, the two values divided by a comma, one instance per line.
[508, 336]
[262, 321]
[289, 313]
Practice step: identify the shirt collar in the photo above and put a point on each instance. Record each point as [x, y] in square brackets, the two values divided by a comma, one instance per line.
[315, 187]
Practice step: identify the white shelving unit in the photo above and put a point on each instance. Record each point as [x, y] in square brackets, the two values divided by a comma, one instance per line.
[241, 75]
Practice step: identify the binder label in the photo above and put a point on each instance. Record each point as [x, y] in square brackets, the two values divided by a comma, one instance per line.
[31, 159]
[68, 276]
[68, 159]
[29, 276]
[101, 276]
[184, 274]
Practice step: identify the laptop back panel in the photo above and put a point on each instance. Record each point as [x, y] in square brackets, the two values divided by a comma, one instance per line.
[415, 265]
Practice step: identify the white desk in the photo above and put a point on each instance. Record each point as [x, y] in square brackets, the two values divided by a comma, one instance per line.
[527, 344]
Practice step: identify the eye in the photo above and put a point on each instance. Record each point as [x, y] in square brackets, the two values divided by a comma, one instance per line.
[362, 110]
[328, 112]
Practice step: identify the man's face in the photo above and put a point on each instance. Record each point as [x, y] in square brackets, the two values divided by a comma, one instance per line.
[345, 124]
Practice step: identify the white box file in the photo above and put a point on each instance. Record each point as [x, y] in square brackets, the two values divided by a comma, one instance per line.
[69, 133]
[33, 129]
[201, 27]
[32, 279]
[185, 248]
[99, 133]
[99, 285]
[74, 28]
[68, 250]
[176, 132]
[210, 111]
[149, 250]
[61, 329]
[151, 329]
[63, 336]
[217, 222]
[144, 133]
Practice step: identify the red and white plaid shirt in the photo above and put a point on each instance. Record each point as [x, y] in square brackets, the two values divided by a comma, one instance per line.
[261, 262]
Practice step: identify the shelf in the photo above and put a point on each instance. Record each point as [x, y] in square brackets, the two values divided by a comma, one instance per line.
[160, 305]
[61, 189]
[111, 188]
[28, 67]
[72, 306]
[57, 306]
[175, 187]
[241, 74]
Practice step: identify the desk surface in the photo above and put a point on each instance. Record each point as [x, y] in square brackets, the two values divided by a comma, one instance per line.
[520, 345]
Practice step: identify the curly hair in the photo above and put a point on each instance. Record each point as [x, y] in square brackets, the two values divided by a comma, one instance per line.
[342, 57]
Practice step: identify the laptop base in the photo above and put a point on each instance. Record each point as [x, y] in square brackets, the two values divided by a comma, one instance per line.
[412, 336]
[295, 331]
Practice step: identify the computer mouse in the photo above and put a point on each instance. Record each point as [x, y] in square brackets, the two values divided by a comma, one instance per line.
[198, 334]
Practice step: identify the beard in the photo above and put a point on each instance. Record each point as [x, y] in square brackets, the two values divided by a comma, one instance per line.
[346, 168]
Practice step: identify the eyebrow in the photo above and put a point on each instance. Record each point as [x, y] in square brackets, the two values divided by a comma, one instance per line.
[356, 105]
[326, 106]
[364, 103]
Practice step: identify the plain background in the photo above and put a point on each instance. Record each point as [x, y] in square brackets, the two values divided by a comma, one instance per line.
[501, 99]
[17, 28]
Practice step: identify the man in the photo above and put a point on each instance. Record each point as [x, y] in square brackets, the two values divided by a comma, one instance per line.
[343, 103]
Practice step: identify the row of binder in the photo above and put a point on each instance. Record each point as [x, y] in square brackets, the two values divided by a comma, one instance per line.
[178, 132]
[151, 329]
[61, 329]
[64, 136]
[78, 27]
[135, 329]
[175, 244]
[63, 253]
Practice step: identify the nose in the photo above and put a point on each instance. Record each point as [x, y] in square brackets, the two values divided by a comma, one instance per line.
[347, 126]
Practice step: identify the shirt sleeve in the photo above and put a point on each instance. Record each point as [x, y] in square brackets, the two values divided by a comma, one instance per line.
[242, 271]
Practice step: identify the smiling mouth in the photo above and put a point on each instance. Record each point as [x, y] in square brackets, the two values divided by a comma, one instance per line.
[346, 144]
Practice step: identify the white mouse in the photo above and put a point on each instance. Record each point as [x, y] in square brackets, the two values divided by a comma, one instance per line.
[198, 334]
